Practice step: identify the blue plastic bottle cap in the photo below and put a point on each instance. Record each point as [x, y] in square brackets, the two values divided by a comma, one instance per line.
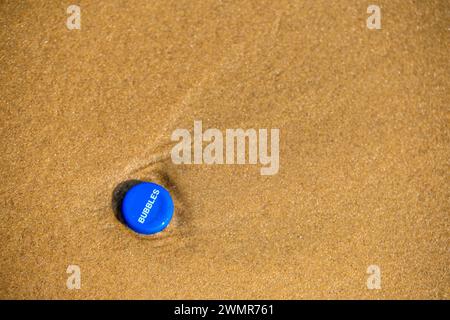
[147, 208]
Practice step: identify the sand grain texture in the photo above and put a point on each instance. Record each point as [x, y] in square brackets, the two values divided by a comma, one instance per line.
[364, 149]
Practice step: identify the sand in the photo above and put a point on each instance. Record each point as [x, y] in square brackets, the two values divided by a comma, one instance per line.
[364, 148]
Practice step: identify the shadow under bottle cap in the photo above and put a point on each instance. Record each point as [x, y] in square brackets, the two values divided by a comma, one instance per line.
[147, 208]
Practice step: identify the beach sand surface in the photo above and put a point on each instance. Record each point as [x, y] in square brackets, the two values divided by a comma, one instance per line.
[364, 148]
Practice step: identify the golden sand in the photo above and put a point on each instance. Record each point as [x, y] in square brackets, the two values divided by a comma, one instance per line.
[364, 148]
